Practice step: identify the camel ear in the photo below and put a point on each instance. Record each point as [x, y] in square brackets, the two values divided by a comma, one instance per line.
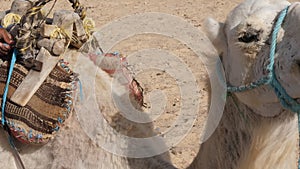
[215, 32]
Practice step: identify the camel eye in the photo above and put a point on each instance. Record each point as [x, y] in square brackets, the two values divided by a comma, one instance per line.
[248, 37]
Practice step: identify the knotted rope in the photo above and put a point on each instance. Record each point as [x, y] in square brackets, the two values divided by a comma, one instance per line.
[89, 26]
[59, 33]
[286, 101]
[29, 33]
[10, 19]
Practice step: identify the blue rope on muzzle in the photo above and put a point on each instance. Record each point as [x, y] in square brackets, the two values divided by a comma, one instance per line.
[285, 99]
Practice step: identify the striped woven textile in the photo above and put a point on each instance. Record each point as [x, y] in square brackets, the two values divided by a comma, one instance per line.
[51, 105]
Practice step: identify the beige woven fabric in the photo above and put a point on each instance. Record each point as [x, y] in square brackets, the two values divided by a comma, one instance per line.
[51, 105]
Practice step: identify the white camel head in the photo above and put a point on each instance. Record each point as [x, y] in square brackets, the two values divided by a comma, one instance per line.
[243, 42]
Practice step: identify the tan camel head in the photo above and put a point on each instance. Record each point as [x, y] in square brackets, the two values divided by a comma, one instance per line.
[243, 42]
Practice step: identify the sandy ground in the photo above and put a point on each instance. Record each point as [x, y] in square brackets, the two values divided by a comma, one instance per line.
[194, 12]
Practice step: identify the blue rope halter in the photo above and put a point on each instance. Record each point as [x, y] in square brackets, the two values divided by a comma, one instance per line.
[286, 101]
[271, 79]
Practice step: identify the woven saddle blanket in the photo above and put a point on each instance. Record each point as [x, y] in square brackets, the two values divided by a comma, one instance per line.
[50, 106]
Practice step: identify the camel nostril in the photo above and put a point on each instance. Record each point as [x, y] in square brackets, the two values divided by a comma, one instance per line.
[298, 63]
[297, 66]
[248, 37]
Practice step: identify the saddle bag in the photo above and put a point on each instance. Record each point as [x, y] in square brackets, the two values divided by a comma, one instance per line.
[36, 117]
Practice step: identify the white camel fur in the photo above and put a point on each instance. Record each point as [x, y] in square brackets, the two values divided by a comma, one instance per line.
[256, 132]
